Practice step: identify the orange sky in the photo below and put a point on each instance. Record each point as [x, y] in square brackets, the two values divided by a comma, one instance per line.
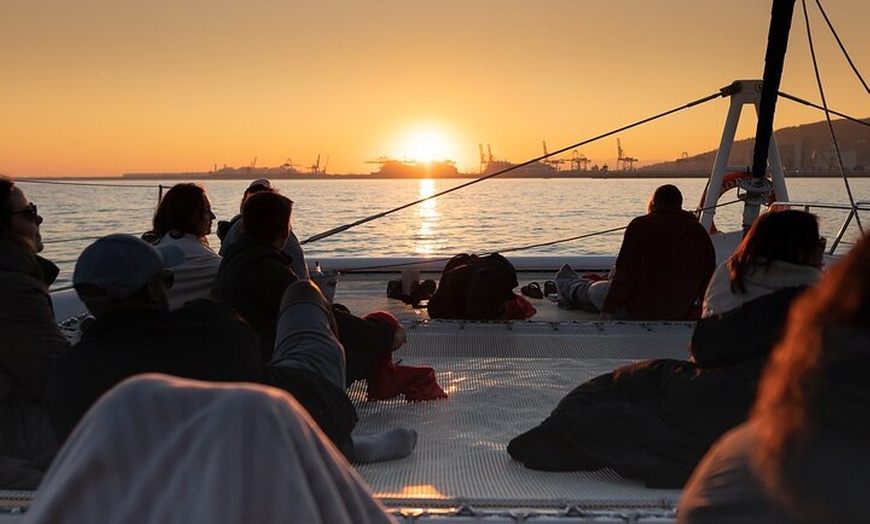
[100, 87]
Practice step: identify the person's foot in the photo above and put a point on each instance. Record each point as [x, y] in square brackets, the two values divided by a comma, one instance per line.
[392, 444]
[564, 280]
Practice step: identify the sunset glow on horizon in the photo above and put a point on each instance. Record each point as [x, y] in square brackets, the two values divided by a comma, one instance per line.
[426, 144]
[103, 88]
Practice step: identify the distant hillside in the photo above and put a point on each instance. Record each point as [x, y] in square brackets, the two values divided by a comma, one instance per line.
[805, 148]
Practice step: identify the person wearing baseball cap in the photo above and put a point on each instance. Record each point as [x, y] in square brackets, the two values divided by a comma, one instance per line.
[122, 280]
[116, 268]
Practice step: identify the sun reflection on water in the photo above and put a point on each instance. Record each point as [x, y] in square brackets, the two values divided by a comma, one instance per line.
[427, 212]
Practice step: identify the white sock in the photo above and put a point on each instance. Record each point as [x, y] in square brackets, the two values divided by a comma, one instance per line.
[388, 445]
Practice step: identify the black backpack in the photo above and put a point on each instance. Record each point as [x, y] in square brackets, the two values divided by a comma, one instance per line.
[473, 287]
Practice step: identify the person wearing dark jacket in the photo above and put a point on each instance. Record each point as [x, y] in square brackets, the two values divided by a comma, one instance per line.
[654, 420]
[122, 280]
[664, 264]
[31, 341]
[662, 270]
[804, 453]
[229, 231]
[254, 274]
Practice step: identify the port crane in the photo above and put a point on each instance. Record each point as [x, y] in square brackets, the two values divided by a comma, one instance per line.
[289, 165]
[625, 163]
[555, 162]
[579, 162]
[485, 159]
[316, 169]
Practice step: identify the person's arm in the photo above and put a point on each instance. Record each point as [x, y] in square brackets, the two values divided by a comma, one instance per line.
[273, 277]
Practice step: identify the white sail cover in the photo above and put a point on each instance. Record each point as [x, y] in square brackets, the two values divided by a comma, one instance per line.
[158, 449]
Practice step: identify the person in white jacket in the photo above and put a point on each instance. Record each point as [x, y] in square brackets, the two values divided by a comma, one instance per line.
[784, 251]
[184, 218]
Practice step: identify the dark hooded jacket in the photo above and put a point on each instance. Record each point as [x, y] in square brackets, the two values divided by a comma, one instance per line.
[30, 343]
[252, 279]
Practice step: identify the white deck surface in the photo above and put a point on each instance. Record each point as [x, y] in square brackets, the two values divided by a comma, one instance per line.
[503, 379]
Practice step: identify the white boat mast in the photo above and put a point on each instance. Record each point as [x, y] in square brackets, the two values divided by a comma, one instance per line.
[741, 92]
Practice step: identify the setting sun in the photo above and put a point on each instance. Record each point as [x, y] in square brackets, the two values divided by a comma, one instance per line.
[426, 145]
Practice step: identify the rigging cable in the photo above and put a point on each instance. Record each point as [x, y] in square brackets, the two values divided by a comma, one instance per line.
[828, 118]
[519, 248]
[840, 43]
[816, 106]
[722, 93]
[159, 187]
[95, 184]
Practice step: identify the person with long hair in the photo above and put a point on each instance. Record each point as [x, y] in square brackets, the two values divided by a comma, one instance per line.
[784, 250]
[804, 453]
[184, 218]
[654, 420]
[31, 341]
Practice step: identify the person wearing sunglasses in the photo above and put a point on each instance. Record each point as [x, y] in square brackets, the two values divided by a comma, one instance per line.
[30, 343]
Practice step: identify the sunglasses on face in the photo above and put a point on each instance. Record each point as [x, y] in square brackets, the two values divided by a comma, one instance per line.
[29, 212]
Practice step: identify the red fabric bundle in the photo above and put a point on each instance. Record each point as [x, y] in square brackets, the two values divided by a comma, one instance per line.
[387, 380]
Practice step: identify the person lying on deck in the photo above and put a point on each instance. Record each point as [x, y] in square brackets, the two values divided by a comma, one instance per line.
[654, 420]
[122, 280]
[254, 274]
[162, 449]
[804, 453]
[663, 267]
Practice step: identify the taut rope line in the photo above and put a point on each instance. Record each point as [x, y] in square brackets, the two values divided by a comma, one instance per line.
[834, 140]
[523, 248]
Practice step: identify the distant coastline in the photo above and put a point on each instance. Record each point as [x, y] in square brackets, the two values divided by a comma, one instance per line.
[634, 174]
[805, 151]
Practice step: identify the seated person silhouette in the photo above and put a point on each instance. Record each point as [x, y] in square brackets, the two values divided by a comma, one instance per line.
[661, 272]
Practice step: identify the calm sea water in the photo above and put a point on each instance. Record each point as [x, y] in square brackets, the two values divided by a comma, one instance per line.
[494, 215]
